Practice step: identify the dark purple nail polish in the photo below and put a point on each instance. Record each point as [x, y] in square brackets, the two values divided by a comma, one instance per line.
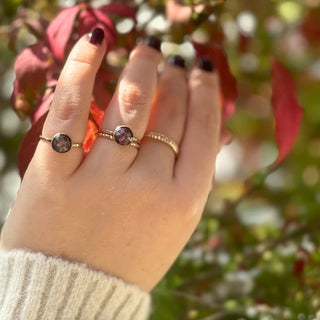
[206, 64]
[154, 42]
[96, 36]
[177, 61]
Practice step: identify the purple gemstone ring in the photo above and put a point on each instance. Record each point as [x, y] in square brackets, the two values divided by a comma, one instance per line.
[122, 135]
[61, 143]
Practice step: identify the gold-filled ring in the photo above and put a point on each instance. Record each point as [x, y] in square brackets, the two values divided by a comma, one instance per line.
[163, 138]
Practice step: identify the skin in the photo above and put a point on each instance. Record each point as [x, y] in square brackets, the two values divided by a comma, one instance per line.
[121, 210]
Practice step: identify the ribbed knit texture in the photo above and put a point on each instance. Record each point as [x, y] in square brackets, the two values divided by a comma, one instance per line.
[34, 286]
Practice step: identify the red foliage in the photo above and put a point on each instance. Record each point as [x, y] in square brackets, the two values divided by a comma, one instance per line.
[311, 27]
[303, 257]
[36, 26]
[244, 42]
[42, 107]
[91, 18]
[227, 81]
[61, 28]
[32, 63]
[95, 118]
[287, 111]
[299, 266]
[101, 95]
[59, 32]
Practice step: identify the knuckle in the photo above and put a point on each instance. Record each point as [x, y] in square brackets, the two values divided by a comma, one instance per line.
[190, 209]
[132, 98]
[67, 105]
[79, 59]
[195, 210]
[173, 100]
[205, 117]
[172, 107]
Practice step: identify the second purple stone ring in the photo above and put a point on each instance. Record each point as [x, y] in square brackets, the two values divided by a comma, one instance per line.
[121, 135]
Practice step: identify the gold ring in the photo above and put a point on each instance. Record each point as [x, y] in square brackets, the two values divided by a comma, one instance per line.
[163, 138]
[61, 142]
[121, 135]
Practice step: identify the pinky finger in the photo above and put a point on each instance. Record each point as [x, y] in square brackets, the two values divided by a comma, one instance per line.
[196, 163]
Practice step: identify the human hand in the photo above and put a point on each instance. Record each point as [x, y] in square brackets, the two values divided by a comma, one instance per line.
[122, 210]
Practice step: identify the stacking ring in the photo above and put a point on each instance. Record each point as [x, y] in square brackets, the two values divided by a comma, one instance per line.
[61, 142]
[162, 138]
[122, 135]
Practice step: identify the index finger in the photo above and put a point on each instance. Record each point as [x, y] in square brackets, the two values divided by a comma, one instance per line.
[69, 111]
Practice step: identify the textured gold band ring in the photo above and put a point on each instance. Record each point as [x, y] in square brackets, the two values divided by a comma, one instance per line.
[61, 142]
[163, 138]
[121, 135]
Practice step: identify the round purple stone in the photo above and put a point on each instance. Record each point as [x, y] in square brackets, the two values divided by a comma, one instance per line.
[61, 143]
[123, 135]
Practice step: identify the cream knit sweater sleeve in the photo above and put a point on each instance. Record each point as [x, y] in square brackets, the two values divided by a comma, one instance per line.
[34, 286]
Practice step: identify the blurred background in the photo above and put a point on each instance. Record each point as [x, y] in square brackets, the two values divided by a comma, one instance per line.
[255, 255]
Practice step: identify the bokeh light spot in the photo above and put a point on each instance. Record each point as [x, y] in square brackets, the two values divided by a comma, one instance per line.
[290, 11]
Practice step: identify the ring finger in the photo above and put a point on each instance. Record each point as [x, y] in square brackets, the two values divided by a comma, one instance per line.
[167, 117]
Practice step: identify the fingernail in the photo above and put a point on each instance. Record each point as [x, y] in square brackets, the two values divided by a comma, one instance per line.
[96, 36]
[177, 61]
[206, 64]
[154, 42]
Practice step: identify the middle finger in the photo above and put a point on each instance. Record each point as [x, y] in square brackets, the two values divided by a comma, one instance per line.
[130, 106]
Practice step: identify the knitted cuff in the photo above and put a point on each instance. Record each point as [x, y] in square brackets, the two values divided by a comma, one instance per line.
[34, 286]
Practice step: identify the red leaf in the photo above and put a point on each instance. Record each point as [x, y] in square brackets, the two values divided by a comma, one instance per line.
[101, 95]
[31, 69]
[29, 144]
[42, 107]
[299, 267]
[19, 102]
[91, 18]
[31, 66]
[287, 111]
[37, 26]
[227, 81]
[119, 9]
[244, 42]
[59, 32]
[311, 28]
[95, 118]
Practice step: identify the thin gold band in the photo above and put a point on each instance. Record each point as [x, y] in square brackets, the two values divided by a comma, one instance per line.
[163, 138]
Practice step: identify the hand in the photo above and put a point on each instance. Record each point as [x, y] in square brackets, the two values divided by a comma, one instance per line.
[122, 210]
